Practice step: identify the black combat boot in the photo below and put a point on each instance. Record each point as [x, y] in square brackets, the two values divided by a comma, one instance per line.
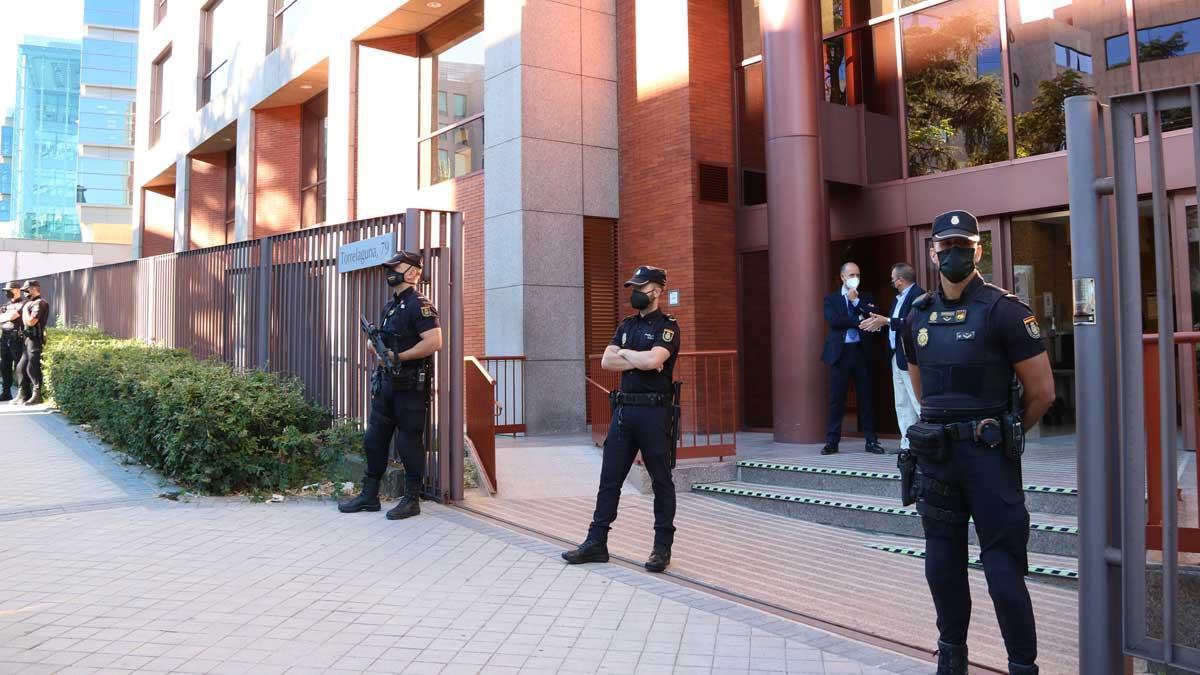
[367, 500]
[588, 551]
[659, 558]
[410, 504]
[1018, 669]
[22, 395]
[952, 659]
[35, 398]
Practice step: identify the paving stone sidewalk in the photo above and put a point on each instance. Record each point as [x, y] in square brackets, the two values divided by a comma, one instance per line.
[98, 574]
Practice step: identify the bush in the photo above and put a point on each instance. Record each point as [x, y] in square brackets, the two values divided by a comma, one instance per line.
[203, 424]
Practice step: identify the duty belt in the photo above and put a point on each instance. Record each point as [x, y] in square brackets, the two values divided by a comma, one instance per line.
[977, 430]
[622, 398]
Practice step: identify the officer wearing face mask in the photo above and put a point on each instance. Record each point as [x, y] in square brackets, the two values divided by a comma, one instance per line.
[400, 389]
[12, 342]
[969, 343]
[643, 350]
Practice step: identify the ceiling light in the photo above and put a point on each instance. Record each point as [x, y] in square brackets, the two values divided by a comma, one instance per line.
[433, 5]
[226, 138]
[306, 86]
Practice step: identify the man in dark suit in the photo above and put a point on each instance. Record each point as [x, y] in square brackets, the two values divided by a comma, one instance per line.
[845, 310]
[908, 406]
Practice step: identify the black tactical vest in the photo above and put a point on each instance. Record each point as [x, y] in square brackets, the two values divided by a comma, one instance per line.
[964, 373]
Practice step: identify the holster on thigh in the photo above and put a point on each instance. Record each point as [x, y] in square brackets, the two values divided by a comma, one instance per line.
[940, 504]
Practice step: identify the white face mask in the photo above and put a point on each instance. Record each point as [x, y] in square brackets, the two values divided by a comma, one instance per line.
[852, 283]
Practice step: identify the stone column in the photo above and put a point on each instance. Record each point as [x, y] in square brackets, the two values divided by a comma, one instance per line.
[797, 228]
[339, 165]
[183, 214]
[543, 71]
[243, 216]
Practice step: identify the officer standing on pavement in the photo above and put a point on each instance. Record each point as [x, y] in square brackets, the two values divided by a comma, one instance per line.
[643, 350]
[34, 313]
[11, 338]
[967, 339]
[400, 389]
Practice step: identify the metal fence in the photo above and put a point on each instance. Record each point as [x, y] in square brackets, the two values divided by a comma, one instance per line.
[1117, 614]
[280, 304]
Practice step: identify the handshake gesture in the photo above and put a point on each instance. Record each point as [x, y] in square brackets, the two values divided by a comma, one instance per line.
[873, 323]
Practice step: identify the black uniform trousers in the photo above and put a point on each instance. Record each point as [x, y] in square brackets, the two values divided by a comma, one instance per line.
[633, 428]
[29, 368]
[981, 483]
[402, 412]
[11, 349]
[851, 364]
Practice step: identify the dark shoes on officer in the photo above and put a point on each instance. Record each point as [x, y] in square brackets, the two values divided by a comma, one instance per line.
[873, 447]
[409, 505]
[952, 659]
[597, 551]
[368, 500]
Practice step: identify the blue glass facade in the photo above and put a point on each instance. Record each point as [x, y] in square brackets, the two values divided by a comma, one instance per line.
[45, 139]
[109, 78]
[6, 143]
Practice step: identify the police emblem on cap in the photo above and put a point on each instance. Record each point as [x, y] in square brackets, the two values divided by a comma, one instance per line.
[953, 220]
[668, 335]
[1032, 327]
[922, 337]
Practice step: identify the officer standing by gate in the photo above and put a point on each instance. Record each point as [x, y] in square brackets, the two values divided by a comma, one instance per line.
[11, 338]
[400, 388]
[968, 340]
[643, 350]
[34, 313]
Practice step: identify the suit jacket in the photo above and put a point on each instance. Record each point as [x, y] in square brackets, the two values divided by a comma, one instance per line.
[899, 325]
[840, 318]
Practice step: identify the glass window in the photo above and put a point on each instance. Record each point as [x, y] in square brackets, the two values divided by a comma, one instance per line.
[837, 70]
[1116, 51]
[460, 72]
[1049, 56]
[110, 78]
[116, 13]
[1168, 42]
[460, 105]
[839, 14]
[159, 82]
[442, 109]
[751, 44]
[160, 11]
[457, 152]
[288, 17]
[1168, 49]
[313, 154]
[953, 91]
[452, 53]
[881, 95]
[752, 145]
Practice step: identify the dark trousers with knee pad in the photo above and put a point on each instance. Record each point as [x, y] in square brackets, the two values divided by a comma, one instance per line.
[634, 428]
[29, 368]
[981, 483]
[11, 349]
[401, 412]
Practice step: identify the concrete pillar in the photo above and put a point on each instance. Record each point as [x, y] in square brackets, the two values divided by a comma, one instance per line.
[797, 229]
[542, 70]
[243, 223]
[183, 180]
[339, 181]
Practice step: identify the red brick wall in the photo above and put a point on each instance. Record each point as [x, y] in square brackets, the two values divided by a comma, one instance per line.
[158, 234]
[663, 136]
[206, 199]
[466, 195]
[276, 171]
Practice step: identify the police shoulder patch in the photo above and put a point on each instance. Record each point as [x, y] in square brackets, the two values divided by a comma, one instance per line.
[1031, 327]
[668, 335]
[426, 311]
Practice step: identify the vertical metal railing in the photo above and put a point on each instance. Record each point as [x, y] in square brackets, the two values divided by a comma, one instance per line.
[1113, 483]
[509, 375]
[280, 304]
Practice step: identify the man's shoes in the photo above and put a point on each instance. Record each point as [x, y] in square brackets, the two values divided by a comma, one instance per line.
[367, 500]
[1018, 669]
[952, 659]
[829, 449]
[875, 448]
[35, 399]
[20, 399]
[897, 451]
[589, 551]
[659, 558]
[409, 505]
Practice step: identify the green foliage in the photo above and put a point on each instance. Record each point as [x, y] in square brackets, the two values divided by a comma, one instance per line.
[955, 113]
[1159, 48]
[207, 426]
[1043, 128]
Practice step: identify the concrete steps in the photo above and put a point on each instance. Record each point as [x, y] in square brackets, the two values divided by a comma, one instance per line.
[1052, 534]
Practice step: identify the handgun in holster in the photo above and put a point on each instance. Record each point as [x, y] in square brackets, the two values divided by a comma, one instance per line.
[676, 418]
[907, 463]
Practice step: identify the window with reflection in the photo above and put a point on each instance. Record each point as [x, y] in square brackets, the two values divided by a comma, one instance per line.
[953, 88]
[216, 47]
[750, 122]
[1052, 47]
[751, 33]
[314, 145]
[452, 96]
[1168, 50]
[839, 14]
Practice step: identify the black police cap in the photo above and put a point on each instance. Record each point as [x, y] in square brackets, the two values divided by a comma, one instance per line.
[30, 284]
[955, 224]
[11, 286]
[413, 259]
[646, 274]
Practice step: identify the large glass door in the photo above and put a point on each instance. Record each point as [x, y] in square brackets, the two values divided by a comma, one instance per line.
[1185, 245]
[993, 255]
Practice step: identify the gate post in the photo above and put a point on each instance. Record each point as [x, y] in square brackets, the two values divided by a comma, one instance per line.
[263, 320]
[1096, 327]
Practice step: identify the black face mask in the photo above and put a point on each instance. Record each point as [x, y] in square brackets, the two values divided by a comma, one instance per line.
[956, 263]
[639, 300]
[394, 278]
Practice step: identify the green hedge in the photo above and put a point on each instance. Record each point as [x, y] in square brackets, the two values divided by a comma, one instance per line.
[201, 423]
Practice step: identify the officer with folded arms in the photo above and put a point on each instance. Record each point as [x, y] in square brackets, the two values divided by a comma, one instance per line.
[643, 350]
[967, 341]
[12, 341]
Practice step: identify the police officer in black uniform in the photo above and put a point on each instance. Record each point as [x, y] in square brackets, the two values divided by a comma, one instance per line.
[400, 389]
[34, 313]
[643, 350]
[967, 340]
[12, 342]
